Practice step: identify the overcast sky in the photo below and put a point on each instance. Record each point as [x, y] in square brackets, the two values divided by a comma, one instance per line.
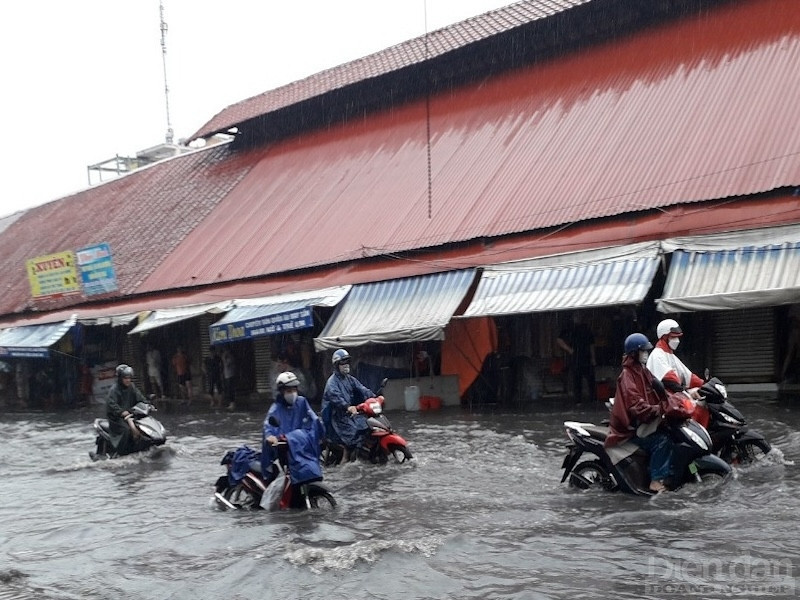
[83, 80]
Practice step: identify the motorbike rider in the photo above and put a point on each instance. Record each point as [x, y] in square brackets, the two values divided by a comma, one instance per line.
[637, 403]
[122, 396]
[670, 370]
[664, 364]
[291, 417]
[343, 392]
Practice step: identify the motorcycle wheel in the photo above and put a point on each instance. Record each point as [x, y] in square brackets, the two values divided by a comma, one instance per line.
[399, 454]
[241, 497]
[711, 476]
[331, 456]
[749, 452]
[591, 474]
[320, 498]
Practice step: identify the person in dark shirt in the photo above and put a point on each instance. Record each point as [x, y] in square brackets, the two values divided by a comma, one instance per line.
[122, 396]
[578, 343]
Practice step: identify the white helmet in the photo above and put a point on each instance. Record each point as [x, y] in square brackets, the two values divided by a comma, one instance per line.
[286, 379]
[668, 326]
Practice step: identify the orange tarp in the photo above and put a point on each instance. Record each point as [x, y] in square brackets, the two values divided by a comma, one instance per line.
[466, 345]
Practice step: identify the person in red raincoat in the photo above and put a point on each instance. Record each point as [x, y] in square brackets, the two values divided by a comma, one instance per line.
[638, 403]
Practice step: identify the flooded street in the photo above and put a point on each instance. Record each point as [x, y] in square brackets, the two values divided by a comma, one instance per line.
[479, 514]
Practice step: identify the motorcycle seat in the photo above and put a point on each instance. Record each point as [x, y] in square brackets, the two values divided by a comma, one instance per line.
[597, 432]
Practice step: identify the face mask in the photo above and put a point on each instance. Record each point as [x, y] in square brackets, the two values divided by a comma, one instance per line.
[673, 343]
[344, 369]
[290, 397]
[643, 356]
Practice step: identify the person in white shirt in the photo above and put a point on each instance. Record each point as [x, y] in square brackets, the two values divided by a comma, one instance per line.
[667, 367]
[153, 357]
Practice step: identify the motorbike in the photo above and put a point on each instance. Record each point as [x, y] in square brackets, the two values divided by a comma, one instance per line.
[732, 440]
[625, 467]
[243, 486]
[383, 443]
[151, 432]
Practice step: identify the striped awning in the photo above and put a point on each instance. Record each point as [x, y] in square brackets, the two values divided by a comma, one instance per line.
[732, 279]
[256, 317]
[32, 341]
[168, 316]
[604, 277]
[401, 310]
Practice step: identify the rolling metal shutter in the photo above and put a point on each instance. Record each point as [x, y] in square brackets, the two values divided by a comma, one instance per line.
[744, 345]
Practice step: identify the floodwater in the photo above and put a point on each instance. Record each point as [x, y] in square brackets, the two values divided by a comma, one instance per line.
[479, 514]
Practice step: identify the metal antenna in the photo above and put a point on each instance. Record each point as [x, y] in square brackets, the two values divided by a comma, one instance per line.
[428, 112]
[164, 57]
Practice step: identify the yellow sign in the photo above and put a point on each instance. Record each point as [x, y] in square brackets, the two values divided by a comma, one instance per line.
[53, 275]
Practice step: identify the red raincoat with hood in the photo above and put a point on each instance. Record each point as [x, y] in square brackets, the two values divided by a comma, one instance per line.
[636, 401]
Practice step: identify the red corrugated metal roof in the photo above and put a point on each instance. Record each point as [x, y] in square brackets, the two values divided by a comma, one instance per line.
[397, 57]
[143, 216]
[698, 109]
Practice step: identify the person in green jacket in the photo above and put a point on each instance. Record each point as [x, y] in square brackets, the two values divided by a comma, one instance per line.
[122, 396]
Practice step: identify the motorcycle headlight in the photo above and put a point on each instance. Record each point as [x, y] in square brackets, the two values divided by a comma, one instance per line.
[695, 438]
[721, 389]
[729, 419]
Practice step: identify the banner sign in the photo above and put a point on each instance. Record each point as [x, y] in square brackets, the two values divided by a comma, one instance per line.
[10, 352]
[53, 275]
[280, 323]
[97, 269]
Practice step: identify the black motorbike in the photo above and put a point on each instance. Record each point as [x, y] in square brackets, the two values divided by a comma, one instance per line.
[625, 467]
[732, 440]
[151, 432]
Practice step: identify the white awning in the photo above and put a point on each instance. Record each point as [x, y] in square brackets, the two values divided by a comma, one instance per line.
[744, 277]
[604, 277]
[400, 310]
[733, 240]
[32, 341]
[113, 320]
[167, 316]
[255, 317]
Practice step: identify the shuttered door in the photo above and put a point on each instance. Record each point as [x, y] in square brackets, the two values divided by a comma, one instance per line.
[262, 356]
[744, 345]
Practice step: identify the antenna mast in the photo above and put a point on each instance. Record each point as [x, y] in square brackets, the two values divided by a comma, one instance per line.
[164, 58]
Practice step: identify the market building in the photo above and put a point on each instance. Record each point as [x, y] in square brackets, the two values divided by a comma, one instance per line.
[468, 189]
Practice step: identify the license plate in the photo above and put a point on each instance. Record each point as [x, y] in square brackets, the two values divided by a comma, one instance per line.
[693, 468]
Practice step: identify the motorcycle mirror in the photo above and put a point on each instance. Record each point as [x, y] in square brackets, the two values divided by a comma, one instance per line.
[706, 374]
[273, 420]
[383, 385]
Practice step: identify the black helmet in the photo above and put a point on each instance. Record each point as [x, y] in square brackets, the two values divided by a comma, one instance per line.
[124, 371]
[637, 341]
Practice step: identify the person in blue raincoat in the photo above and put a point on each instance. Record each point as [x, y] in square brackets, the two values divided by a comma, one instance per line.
[342, 393]
[290, 417]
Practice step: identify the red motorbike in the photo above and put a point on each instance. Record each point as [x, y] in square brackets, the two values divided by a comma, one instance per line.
[250, 491]
[382, 445]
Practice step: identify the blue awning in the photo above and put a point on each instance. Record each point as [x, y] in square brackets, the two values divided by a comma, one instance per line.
[32, 341]
[604, 277]
[401, 310]
[256, 317]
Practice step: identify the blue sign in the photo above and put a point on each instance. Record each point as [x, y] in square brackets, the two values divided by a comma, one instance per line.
[269, 325]
[24, 352]
[96, 269]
